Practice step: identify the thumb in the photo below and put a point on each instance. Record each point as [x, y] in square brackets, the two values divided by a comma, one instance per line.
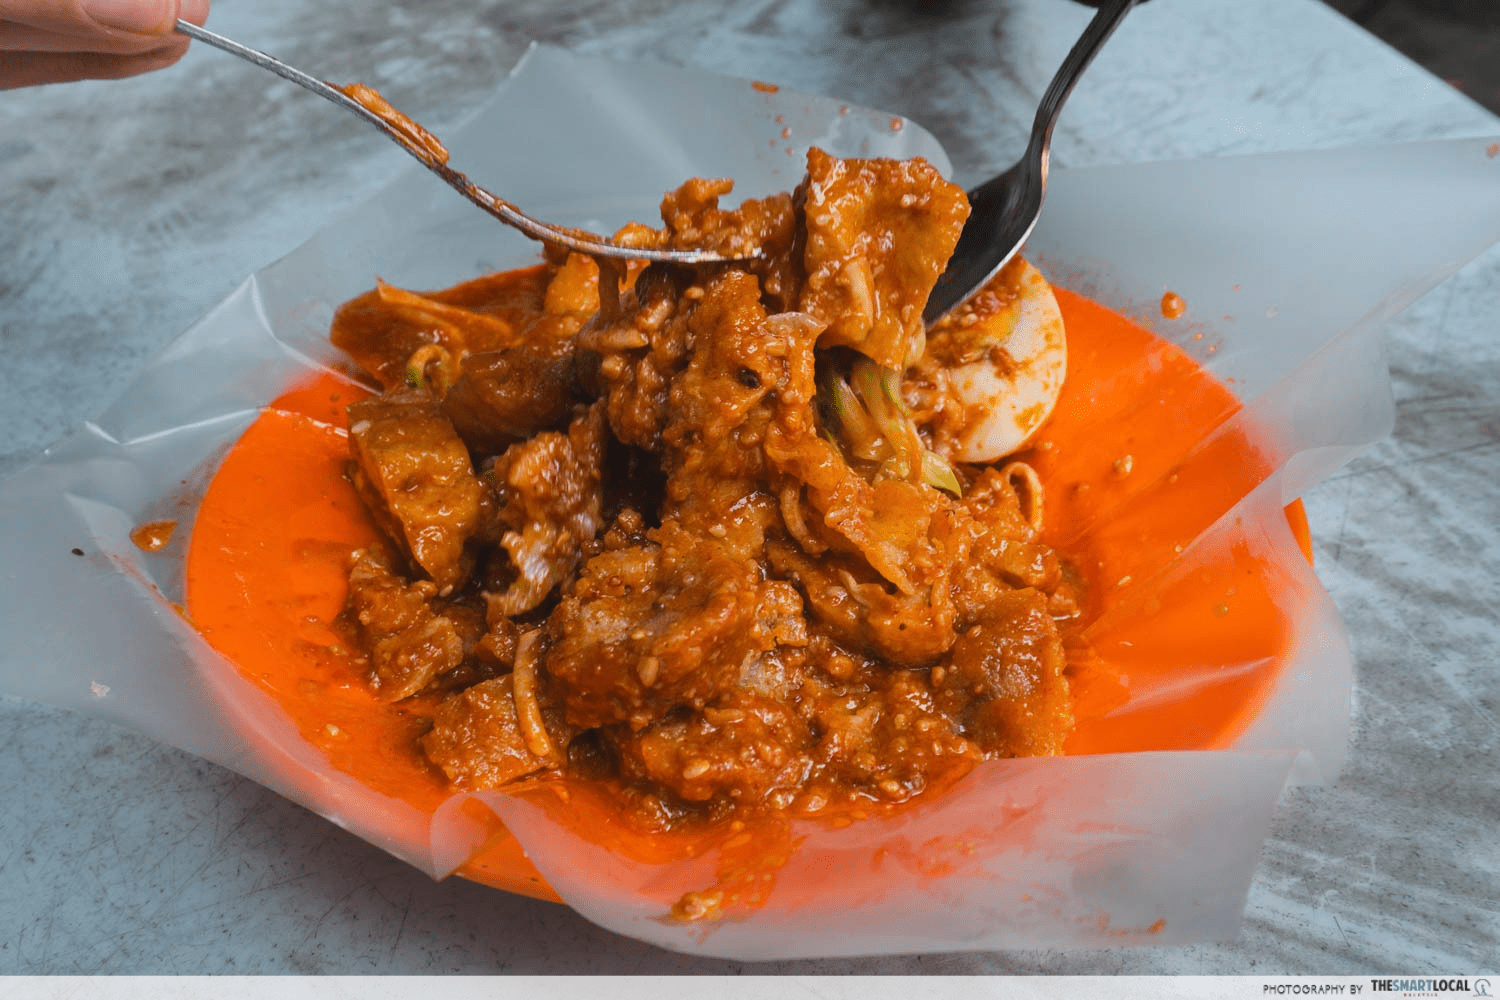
[91, 19]
[141, 17]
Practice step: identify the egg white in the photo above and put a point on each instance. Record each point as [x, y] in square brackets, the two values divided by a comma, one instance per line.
[1011, 395]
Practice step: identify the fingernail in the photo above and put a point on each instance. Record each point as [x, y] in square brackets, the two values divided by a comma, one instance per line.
[146, 17]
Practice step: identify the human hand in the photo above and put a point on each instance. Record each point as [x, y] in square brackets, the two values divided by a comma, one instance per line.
[53, 41]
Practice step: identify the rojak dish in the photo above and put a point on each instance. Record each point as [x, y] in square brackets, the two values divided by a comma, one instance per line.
[736, 539]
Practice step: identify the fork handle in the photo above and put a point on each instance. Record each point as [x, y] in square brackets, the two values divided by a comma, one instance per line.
[324, 90]
[573, 239]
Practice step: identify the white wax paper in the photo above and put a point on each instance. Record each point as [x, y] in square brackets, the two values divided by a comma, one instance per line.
[1289, 264]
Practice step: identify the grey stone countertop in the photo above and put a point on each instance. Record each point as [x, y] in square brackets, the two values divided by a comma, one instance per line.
[129, 208]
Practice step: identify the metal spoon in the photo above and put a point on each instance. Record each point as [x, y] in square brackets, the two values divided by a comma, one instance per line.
[574, 239]
[1004, 209]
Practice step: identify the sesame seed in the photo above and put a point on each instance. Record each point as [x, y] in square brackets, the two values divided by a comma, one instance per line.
[647, 670]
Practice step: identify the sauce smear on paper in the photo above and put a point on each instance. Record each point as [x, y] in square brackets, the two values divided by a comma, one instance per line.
[153, 536]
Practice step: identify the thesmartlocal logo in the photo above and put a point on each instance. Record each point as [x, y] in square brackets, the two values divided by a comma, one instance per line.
[1432, 987]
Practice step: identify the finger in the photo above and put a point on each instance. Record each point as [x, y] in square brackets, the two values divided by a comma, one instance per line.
[29, 69]
[193, 10]
[96, 19]
[18, 37]
[24, 38]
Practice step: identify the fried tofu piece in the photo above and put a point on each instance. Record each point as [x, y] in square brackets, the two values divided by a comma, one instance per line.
[413, 472]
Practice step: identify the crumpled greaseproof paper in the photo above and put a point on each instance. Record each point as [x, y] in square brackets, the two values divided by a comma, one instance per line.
[1295, 261]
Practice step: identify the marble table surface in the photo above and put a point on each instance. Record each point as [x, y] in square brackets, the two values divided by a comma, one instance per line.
[130, 208]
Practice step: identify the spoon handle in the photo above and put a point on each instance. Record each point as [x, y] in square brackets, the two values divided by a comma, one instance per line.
[1104, 23]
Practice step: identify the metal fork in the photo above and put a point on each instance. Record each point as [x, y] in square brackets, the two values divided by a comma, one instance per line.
[574, 239]
[1004, 209]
